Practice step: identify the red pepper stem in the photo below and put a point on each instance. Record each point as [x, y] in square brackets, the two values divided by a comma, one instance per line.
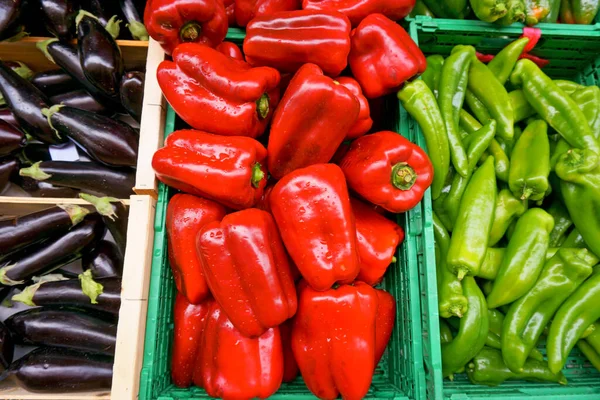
[257, 175]
[262, 106]
[403, 176]
[190, 32]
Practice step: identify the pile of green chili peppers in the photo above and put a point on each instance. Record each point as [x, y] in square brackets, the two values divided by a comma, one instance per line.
[516, 199]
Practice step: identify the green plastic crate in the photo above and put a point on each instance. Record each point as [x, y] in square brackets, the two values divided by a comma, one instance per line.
[573, 54]
[400, 375]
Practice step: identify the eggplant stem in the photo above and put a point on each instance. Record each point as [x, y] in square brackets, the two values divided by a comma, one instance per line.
[35, 172]
[90, 287]
[48, 113]
[43, 47]
[113, 27]
[102, 204]
[138, 30]
[76, 213]
[5, 280]
[81, 14]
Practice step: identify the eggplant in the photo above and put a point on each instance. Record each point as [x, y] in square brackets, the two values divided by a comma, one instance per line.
[107, 140]
[53, 253]
[54, 82]
[56, 370]
[104, 261]
[86, 176]
[21, 69]
[132, 93]
[67, 57]
[59, 17]
[34, 152]
[115, 216]
[11, 139]
[99, 55]
[10, 11]
[107, 12]
[7, 347]
[6, 115]
[26, 102]
[43, 189]
[20, 232]
[80, 99]
[7, 170]
[135, 24]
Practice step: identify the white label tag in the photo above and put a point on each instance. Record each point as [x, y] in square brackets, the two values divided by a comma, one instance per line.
[64, 152]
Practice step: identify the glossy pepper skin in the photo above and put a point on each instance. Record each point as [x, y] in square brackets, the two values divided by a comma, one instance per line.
[231, 49]
[508, 208]
[579, 11]
[528, 316]
[388, 170]
[504, 62]
[311, 121]
[363, 122]
[383, 56]
[312, 210]
[472, 332]
[216, 93]
[515, 12]
[418, 99]
[554, 105]
[536, 11]
[247, 10]
[588, 100]
[233, 366]
[470, 235]
[580, 189]
[376, 241]
[445, 332]
[247, 270]
[488, 10]
[521, 107]
[524, 258]
[290, 367]
[190, 161]
[188, 321]
[358, 10]
[433, 73]
[487, 368]
[174, 22]
[454, 9]
[562, 223]
[287, 41]
[573, 317]
[186, 215]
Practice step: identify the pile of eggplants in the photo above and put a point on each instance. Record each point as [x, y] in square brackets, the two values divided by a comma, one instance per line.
[80, 102]
[72, 315]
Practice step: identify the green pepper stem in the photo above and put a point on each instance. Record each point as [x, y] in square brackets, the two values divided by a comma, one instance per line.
[461, 273]
[527, 192]
[257, 175]
[190, 32]
[262, 106]
[403, 176]
[455, 310]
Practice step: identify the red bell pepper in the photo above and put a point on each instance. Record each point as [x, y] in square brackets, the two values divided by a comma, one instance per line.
[171, 22]
[247, 10]
[383, 56]
[363, 122]
[233, 366]
[357, 10]
[248, 271]
[377, 238]
[384, 324]
[312, 120]
[230, 11]
[312, 209]
[290, 367]
[388, 170]
[286, 41]
[189, 320]
[186, 214]
[265, 201]
[231, 49]
[227, 169]
[215, 93]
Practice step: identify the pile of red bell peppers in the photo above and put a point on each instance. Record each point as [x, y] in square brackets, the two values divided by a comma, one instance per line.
[275, 250]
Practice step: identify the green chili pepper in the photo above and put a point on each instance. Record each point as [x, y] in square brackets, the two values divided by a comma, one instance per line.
[574, 240]
[453, 85]
[555, 106]
[503, 64]
[470, 235]
[590, 353]
[515, 13]
[477, 107]
[569, 87]
[593, 338]
[508, 208]
[445, 332]
[453, 9]
[580, 189]
[488, 368]
[418, 99]
[528, 316]
[571, 319]
[492, 340]
[562, 222]
[478, 142]
[421, 9]
[579, 11]
[521, 108]
[530, 163]
[454, 197]
[451, 300]
[536, 11]
[433, 73]
[472, 332]
[588, 100]
[524, 258]
[552, 16]
[491, 264]
[489, 10]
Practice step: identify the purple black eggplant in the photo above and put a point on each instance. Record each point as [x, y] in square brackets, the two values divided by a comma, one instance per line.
[54, 82]
[21, 69]
[107, 140]
[135, 24]
[59, 17]
[101, 294]
[99, 55]
[7, 116]
[58, 370]
[7, 348]
[8, 167]
[86, 176]
[11, 139]
[35, 152]
[132, 93]
[107, 12]
[115, 215]
[82, 100]
[54, 253]
[19, 232]
[10, 11]
[104, 261]
[45, 190]
[26, 102]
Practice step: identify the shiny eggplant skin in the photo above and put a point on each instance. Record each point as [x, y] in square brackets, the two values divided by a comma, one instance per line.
[132, 93]
[59, 17]
[7, 116]
[104, 261]
[11, 139]
[86, 176]
[56, 370]
[54, 82]
[101, 9]
[26, 102]
[107, 140]
[8, 167]
[7, 348]
[115, 216]
[10, 11]
[82, 100]
[100, 56]
[44, 189]
[35, 152]
[20, 232]
[135, 24]
[53, 253]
